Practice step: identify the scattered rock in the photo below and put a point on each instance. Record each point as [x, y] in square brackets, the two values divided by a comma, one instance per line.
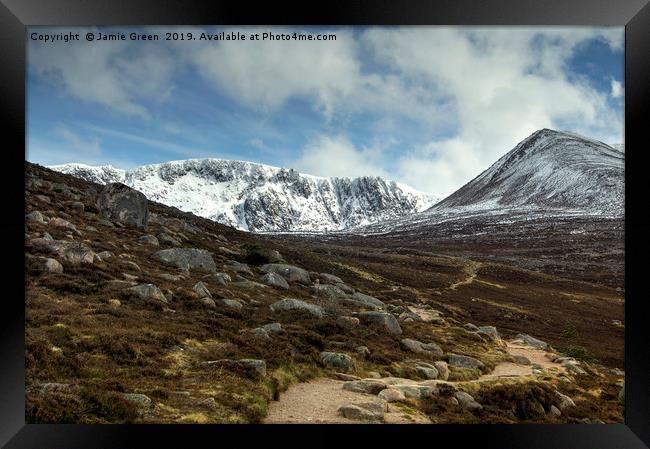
[362, 351]
[337, 360]
[217, 278]
[463, 361]
[105, 255]
[369, 386]
[74, 253]
[260, 333]
[329, 291]
[471, 327]
[208, 403]
[347, 322]
[384, 320]
[238, 267]
[532, 341]
[330, 279]
[254, 367]
[171, 277]
[418, 347]
[391, 395]
[120, 203]
[148, 291]
[520, 360]
[208, 302]
[297, 304]
[289, 272]
[61, 223]
[231, 303]
[139, 399]
[359, 413]
[345, 377]
[187, 258]
[466, 401]
[555, 411]
[163, 237]
[202, 290]
[272, 327]
[489, 331]
[427, 373]
[275, 280]
[149, 240]
[245, 283]
[119, 284]
[37, 217]
[367, 301]
[565, 401]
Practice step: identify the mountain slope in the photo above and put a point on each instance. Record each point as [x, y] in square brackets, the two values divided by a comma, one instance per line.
[549, 169]
[258, 197]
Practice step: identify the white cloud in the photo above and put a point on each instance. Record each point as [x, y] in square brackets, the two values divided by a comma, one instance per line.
[113, 73]
[617, 89]
[337, 156]
[74, 142]
[257, 143]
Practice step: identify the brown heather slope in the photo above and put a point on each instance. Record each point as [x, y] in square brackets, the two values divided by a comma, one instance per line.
[89, 346]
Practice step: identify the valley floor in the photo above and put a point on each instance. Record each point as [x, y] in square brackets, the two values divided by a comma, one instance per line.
[286, 328]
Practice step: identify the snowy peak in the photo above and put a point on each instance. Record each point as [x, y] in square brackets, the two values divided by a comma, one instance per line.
[259, 197]
[548, 169]
[103, 174]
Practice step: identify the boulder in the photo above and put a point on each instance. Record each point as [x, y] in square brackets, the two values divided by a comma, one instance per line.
[49, 265]
[208, 302]
[149, 240]
[289, 272]
[148, 291]
[275, 280]
[520, 360]
[74, 253]
[362, 351]
[105, 255]
[122, 204]
[245, 283]
[297, 304]
[555, 411]
[384, 320]
[171, 277]
[187, 259]
[260, 333]
[463, 361]
[471, 327]
[336, 360]
[238, 267]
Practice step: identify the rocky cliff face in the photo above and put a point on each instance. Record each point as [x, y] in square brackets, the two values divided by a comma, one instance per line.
[257, 197]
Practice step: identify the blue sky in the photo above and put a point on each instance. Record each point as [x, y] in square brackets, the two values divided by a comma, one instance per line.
[428, 106]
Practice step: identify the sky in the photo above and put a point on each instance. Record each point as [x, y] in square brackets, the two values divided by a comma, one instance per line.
[431, 107]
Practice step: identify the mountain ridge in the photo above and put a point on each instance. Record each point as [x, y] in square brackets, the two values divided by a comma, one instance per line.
[259, 197]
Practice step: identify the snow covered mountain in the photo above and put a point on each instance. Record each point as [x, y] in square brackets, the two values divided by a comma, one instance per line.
[549, 176]
[258, 197]
[549, 169]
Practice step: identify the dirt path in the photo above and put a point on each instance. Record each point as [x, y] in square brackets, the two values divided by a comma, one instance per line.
[317, 402]
[470, 269]
[509, 369]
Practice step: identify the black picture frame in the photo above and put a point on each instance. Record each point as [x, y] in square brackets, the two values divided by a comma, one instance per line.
[15, 15]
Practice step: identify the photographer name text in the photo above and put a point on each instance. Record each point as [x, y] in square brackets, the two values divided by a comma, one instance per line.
[179, 36]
